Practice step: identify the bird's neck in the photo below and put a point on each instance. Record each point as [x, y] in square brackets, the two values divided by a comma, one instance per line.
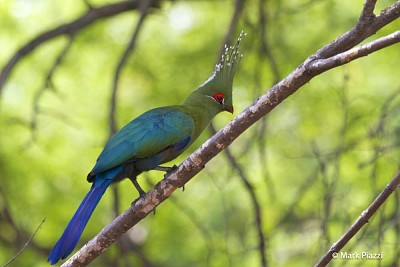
[198, 105]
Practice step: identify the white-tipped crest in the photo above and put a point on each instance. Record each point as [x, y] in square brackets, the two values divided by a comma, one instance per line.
[229, 60]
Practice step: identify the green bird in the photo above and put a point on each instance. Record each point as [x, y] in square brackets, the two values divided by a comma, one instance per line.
[155, 137]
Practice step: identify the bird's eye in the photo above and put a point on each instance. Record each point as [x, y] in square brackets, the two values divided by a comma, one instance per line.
[219, 97]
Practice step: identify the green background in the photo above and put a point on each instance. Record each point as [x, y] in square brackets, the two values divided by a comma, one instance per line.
[315, 163]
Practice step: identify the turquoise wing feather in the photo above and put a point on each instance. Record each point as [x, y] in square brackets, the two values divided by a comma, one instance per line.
[147, 135]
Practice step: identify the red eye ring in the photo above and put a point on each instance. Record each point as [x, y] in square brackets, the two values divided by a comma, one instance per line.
[219, 98]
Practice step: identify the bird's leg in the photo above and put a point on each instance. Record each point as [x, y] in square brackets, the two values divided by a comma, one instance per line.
[162, 168]
[131, 173]
[137, 186]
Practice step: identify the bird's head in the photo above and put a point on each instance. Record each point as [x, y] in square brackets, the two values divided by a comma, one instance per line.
[217, 90]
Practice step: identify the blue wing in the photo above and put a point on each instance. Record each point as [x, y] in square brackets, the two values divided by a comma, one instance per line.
[148, 135]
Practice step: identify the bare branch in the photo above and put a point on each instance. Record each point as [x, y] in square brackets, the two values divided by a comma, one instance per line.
[257, 211]
[368, 10]
[265, 47]
[71, 28]
[26, 244]
[89, 5]
[48, 84]
[366, 26]
[362, 220]
[223, 138]
[232, 26]
[144, 6]
[254, 200]
[256, 205]
[361, 51]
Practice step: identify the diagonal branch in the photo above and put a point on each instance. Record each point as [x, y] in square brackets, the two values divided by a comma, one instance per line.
[223, 138]
[25, 245]
[366, 26]
[352, 54]
[231, 159]
[144, 6]
[361, 221]
[71, 28]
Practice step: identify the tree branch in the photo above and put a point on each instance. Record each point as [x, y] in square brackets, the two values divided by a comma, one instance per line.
[71, 28]
[232, 26]
[361, 221]
[247, 185]
[25, 245]
[365, 27]
[254, 200]
[223, 138]
[47, 85]
[352, 54]
[368, 10]
[144, 6]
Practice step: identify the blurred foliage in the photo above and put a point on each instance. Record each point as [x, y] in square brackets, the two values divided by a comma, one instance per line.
[315, 163]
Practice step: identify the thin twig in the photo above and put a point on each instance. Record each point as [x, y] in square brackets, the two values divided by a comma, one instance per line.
[366, 27]
[256, 205]
[71, 28]
[232, 26]
[231, 159]
[144, 6]
[48, 84]
[265, 49]
[361, 221]
[26, 244]
[254, 200]
[357, 52]
[223, 138]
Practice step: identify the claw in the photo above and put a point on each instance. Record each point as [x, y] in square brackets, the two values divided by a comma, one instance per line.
[167, 170]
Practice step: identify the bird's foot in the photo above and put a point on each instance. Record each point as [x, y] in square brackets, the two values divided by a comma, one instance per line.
[141, 195]
[141, 192]
[167, 170]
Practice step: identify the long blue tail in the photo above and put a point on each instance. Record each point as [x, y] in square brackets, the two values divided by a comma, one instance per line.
[67, 242]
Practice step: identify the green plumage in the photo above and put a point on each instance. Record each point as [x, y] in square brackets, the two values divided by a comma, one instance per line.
[146, 136]
[160, 135]
[155, 137]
